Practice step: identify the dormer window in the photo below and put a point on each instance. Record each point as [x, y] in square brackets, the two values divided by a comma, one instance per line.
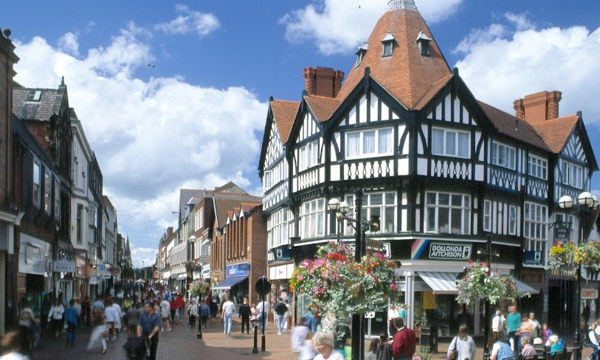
[388, 45]
[34, 95]
[360, 53]
[423, 43]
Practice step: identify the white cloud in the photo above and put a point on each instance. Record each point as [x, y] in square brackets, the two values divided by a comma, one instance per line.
[143, 257]
[151, 137]
[190, 21]
[68, 43]
[339, 26]
[501, 64]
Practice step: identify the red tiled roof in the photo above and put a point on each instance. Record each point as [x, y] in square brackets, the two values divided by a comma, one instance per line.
[556, 132]
[322, 107]
[407, 75]
[284, 114]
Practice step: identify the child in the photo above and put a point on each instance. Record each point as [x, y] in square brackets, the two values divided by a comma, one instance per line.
[546, 333]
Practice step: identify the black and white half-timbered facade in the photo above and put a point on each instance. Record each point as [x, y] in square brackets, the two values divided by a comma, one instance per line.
[445, 174]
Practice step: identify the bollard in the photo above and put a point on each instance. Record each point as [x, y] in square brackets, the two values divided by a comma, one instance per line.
[255, 350]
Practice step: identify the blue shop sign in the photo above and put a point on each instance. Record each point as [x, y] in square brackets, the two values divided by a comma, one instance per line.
[238, 270]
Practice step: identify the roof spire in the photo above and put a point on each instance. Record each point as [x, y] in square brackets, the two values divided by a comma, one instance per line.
[401, 4]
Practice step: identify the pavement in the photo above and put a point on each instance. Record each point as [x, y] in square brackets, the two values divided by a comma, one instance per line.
[182, 343]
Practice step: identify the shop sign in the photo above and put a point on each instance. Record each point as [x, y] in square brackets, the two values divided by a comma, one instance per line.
[215, 273]
[93, 280]
[533, 257]
[63, 265]
[443, 251]
[238, 270]
[589, 294]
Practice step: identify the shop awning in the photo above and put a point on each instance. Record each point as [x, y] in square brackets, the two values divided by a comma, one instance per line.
[440, 282]
[523, 288]
[229, 282]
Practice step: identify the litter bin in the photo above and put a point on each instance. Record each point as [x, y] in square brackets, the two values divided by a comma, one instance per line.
[429, 338]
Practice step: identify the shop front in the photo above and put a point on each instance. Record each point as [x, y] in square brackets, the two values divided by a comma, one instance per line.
[235, 285]
[34, 277]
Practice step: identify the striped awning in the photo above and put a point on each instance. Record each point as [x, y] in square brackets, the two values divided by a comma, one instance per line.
[440, 282]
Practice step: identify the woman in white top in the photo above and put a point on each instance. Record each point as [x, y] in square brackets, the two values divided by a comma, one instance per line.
[324, 345]
[463, 344]
[55, 317]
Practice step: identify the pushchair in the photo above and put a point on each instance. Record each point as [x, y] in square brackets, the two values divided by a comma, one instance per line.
[137, 348]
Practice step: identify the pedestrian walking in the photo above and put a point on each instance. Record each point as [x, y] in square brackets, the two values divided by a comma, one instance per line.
[384, 349]
[227, 311]
[286, 316]
[535, 325]
[463, 344]
[513, 323]
[149, 328]
[500, 349]
[165, 314]
[214, 309]
[133, 317]
[280, 310]
[72, 319]
[245, 313]
[263, 309]
[86, 310]
[193, 311]
[112, 319]
[299, 334]
[204, 314]
[404, 343]
[99, 331]
[27, 323]
[55, 317]
[307, 350]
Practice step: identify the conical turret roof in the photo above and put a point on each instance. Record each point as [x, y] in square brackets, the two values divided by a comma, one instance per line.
[406, 74]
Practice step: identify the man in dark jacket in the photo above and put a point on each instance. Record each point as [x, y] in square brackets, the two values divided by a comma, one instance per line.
[403, 346]
[280, 310]
[245, 315]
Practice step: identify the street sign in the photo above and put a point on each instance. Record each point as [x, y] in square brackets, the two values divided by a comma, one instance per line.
[376, 245]
[263, 286]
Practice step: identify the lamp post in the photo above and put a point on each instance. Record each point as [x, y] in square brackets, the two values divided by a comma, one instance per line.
[586, 203]
[340, 208]
[486, 315]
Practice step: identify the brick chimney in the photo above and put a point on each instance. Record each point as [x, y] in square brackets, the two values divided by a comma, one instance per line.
[538, 107]
[323, 81]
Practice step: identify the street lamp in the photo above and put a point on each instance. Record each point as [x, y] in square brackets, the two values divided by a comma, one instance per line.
[586, 202]
[486, 316]
[360, 227]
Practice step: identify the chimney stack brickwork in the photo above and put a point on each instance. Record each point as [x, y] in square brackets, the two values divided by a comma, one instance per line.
[538, 107]
[323, 81]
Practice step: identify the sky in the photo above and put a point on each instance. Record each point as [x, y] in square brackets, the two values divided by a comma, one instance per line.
[174, 94]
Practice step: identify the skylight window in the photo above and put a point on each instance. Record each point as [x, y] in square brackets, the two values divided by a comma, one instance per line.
[388, 45]
[34, 95]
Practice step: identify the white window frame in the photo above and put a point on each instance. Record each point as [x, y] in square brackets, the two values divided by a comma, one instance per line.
[312, 218]
[446, 148]
[538, 167]
[267, 180]
[380, 146]
[434, 209]
[37, 183]
[503, 155]
[382, 204]
[279, 228]
[309, 155]
[487, 215]
[535, 221]
[512, 220]
[572, 174]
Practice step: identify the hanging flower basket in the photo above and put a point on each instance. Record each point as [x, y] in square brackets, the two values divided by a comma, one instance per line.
[586, 254]
[193, 265]
[198, 287]
[340, 286]
[481, 283]
[562, 254]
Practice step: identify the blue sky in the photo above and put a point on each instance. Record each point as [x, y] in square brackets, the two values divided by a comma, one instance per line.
[174, 94]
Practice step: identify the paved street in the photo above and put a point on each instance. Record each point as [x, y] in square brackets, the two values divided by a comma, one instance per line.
[181, 343]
